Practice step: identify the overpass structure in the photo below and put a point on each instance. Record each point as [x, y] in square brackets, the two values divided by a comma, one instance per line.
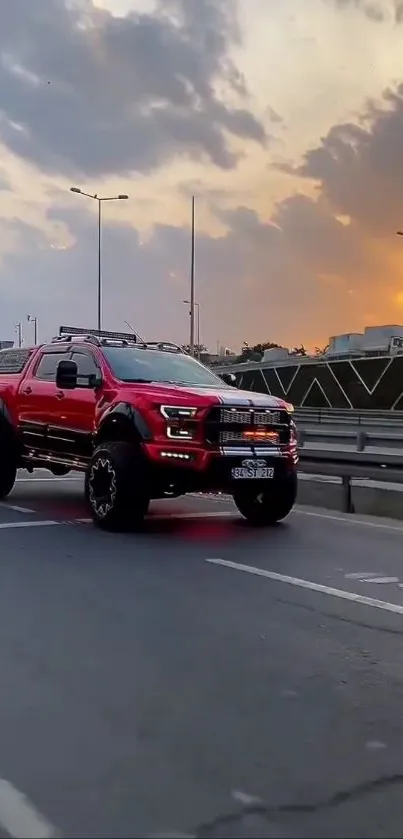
[364, 374]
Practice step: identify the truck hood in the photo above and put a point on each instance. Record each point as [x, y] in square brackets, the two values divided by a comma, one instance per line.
[205, 396]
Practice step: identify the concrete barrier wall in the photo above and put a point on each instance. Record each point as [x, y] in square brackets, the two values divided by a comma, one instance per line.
[367, 499]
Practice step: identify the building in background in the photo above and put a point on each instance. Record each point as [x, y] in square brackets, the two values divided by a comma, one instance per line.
[362, 370]
[5, 345]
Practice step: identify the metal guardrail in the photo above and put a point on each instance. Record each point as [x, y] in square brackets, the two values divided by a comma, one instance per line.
[335, 416]
[360, 439]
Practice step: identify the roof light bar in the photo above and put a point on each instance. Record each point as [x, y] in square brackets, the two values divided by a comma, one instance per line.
[98, 333]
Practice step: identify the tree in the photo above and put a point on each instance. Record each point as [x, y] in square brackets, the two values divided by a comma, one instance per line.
[255, 353]
[299, 351]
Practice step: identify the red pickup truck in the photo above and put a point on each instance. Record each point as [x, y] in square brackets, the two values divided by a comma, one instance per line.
[142, 421]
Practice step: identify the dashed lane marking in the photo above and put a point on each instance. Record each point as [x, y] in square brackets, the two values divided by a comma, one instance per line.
[20, 818]
[214, 514]
[307, 584]
[65, 480]
[4, 505]
[11, 525]
[349, 518]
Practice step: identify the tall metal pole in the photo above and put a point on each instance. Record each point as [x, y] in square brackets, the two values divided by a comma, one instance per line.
[33, 319]
[192, 283]
[99, 265]
[98, 198]
[198, 330]
[18, 327]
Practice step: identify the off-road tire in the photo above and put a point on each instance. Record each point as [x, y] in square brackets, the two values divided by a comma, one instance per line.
[264, 506]
[8, 467]
[116, 487]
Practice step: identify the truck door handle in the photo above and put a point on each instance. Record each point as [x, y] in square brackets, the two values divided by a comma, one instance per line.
[60, 394]
[27, 390]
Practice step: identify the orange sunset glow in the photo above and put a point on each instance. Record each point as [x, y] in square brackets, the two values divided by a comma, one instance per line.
[284, 119]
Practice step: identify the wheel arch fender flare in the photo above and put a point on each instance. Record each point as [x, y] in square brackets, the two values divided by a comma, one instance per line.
[122, 422]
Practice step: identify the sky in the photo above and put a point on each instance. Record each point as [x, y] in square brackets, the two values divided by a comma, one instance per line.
[284, 118]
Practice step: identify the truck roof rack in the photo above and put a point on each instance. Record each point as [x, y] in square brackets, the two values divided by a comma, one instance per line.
[103, 338]
[165, 346]
[96, 336]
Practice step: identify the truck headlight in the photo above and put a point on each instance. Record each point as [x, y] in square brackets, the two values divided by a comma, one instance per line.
[177, 412]
[180, 425]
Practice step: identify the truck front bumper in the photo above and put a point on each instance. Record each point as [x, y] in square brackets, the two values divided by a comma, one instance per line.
[196, 470]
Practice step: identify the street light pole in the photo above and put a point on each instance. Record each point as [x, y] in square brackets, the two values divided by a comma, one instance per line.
[197, 307]
[100, 200]
[33, 319]
[192, 282]
[18, 329]
[99, 266]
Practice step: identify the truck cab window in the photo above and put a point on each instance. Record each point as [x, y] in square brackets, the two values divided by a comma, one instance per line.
[86, 367]
[46, 369]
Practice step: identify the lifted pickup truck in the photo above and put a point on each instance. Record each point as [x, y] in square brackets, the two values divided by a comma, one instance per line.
[142, 421]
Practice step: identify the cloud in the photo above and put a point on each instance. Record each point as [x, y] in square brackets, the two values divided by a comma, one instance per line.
[359, 167]
[84, 92]
[287, 279]
[137, 92]
[376, 10]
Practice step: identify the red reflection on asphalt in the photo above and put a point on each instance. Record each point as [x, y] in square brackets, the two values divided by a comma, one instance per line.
[197, 531]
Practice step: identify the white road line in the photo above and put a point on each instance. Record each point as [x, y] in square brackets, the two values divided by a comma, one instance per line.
[351, 519]
[10, 525]
[168, 516]
[20, 818]
[380, 580]
[294, 581]
[16, 509]
[46, 480]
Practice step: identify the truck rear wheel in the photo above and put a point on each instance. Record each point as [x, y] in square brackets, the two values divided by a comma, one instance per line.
[266, 505]
[116, 487]
[8, 468]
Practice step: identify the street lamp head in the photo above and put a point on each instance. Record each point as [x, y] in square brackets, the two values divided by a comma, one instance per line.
[75, 189]
[123, 197]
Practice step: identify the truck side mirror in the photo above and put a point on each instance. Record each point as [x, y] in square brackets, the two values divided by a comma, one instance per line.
[229, 379]
[66, 375]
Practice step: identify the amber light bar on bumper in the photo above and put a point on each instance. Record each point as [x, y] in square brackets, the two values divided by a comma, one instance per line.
[180, 421]
[257, 434]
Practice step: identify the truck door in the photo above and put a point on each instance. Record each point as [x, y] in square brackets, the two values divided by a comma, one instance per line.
[39, 400]
[75, 420]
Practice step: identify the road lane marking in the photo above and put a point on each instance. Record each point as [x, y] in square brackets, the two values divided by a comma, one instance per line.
[4, 505]
[307, 584]
[214, 514]
[10, 525]
[20, 818]
[380, 580]
[46, 480]
[351, 519]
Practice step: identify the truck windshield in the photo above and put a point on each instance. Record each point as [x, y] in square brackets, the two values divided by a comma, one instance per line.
[136, 365]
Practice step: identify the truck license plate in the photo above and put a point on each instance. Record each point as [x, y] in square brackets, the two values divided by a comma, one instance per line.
[257, 473]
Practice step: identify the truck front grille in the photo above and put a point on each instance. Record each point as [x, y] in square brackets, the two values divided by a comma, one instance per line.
[229, 424]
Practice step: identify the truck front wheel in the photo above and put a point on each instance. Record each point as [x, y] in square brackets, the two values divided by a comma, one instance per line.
[116, 487]
[266, 505]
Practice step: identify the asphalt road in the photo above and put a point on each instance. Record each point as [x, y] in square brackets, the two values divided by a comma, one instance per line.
[201, 679]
